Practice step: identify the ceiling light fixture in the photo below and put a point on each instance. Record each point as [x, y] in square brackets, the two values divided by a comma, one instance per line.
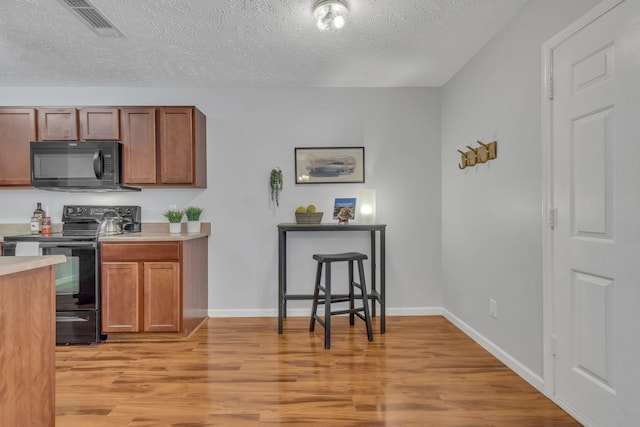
[330, 15]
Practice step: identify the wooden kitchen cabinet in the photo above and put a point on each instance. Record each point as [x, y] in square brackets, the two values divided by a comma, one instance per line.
[161, 301]
[182, 147]
[164, 146]
[99, 124]
[141, 294]
[57, 124]
[139, 145]
[152, 287]
[27, 346]
[17, 129]
[121, 297]
[140, 297]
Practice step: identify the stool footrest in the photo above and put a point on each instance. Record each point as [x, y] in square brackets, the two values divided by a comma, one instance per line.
[348, 311]
[335, 300]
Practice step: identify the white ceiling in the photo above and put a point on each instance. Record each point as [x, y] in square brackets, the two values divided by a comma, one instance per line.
[245, 43]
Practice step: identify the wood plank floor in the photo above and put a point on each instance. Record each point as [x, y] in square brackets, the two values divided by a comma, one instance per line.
[240, 372]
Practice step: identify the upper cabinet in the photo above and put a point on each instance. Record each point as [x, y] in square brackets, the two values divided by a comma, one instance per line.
[99, 124]
[162, 146]
[57, 124]
[138, 145]
[61, 124]
[182, 146]
[17, 129]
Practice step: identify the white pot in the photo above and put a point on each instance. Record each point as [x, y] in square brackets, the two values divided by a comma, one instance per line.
[193, 226]
[175, 227]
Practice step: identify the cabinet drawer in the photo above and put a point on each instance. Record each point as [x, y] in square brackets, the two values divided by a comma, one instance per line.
[141, 251]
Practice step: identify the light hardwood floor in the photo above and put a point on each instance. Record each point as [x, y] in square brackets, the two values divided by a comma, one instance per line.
[240, 372]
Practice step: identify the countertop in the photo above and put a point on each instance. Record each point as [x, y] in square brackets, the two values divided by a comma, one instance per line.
[151, 232]
[151, 237]
[17, 264]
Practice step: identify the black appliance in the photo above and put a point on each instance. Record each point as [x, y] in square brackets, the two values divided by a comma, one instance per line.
[77, 166]
[78, 279]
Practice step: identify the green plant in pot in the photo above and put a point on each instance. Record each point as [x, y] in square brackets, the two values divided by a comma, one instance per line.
[193, 218]
[275, 183]
[174, 217]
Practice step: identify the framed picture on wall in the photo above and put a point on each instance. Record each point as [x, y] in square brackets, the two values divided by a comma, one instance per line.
[329, 165]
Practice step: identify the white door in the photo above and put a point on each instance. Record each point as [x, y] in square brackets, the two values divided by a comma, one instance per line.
[595, 134]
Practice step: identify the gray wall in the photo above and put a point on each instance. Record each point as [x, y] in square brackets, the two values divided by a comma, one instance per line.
[251, 131]
[492, 213]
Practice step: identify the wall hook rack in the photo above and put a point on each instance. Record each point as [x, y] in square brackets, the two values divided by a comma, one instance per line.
[481, 154]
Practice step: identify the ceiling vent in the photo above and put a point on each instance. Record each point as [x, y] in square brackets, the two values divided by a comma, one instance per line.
[92, 18]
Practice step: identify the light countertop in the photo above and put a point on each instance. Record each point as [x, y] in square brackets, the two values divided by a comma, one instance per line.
[151, 232]
[17, 264]
[152, 237]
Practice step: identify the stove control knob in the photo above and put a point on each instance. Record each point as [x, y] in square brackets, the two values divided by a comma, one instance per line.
[70, 211]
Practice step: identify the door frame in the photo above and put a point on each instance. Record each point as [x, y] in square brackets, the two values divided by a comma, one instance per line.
[548, 258]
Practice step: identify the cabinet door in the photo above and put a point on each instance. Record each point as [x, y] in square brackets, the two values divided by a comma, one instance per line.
[162, 297]
[121, 297]
[176, 145]
[99, 124]
[57, 124]
[139, 145]
[17, 128]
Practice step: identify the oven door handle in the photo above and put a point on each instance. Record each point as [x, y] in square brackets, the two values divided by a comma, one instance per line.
[75, 245]
[70, 319]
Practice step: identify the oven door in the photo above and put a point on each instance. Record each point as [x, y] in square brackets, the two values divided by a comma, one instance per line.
[78, 278]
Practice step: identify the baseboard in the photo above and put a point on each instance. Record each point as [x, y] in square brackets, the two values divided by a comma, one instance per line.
[304, 312]
[512, 363]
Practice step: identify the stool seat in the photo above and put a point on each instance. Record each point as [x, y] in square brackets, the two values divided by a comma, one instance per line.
[347, 256]
[329, 297]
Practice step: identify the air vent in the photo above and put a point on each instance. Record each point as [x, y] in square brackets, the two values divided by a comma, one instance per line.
[92, 18]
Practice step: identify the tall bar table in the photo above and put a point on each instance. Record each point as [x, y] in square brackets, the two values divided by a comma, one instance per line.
[377, 293]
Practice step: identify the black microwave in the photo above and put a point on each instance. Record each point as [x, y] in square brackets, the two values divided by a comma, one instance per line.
[77, 166]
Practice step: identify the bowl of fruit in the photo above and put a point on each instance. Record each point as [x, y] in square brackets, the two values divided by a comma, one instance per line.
[308, 215]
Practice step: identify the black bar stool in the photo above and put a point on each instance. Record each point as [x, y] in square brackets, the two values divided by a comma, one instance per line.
[329, 298]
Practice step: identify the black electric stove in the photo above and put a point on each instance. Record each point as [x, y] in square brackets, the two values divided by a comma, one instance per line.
[78, 279]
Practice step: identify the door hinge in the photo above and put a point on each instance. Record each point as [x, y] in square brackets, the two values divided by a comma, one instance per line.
[550, 88]
[553, 218]
[553, 346]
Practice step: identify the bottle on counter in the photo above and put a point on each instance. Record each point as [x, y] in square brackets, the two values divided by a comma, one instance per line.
[46, 225]
[35, 225]
[36, 219]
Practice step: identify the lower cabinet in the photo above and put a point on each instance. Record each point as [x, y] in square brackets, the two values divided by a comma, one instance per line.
[121, 297]
[141, 297]
[154, 286]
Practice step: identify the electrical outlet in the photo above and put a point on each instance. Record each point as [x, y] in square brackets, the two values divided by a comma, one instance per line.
[493, 308]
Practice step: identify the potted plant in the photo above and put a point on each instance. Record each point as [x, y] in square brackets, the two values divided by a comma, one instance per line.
[275, 182]
[193, 218]
[175, 220]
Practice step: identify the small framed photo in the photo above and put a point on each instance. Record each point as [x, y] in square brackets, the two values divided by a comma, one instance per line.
[344, 209]
[329, 165]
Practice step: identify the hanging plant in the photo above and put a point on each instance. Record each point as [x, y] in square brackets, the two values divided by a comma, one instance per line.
[275, 181]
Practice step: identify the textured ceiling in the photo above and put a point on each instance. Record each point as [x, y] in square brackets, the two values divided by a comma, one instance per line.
[245, 43]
